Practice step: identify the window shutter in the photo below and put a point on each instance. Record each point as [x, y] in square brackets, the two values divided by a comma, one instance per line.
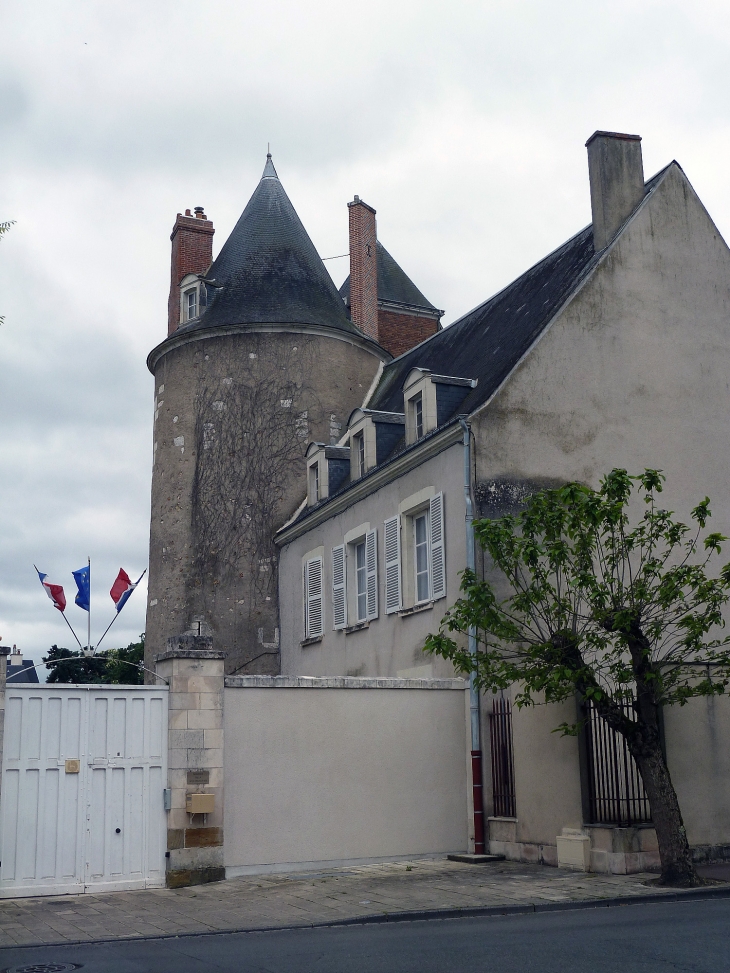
[438, 561]
[314, 598]
[371, 567]
[339, 597]
[392, 565]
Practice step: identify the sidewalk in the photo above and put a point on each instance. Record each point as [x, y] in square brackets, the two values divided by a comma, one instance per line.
[307, 898]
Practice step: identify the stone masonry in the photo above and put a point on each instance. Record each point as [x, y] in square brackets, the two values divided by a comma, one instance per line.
[194, 673]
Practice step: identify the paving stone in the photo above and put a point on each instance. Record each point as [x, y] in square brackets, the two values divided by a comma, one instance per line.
[295, 898]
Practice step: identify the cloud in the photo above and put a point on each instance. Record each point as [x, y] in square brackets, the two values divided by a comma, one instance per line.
[463, 124]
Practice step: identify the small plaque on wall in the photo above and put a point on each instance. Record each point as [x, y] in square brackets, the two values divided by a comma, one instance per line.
[198, 777]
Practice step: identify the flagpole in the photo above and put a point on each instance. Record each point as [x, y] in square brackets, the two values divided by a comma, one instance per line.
[72, 631]
[88, 621]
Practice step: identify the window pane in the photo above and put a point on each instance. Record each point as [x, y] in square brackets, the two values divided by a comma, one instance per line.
[421, 536]
[361, 575]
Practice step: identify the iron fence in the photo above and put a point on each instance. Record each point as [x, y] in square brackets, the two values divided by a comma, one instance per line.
[503, 771]
[616, 792]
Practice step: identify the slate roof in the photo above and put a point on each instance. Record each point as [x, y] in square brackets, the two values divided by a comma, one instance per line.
[268, 270]
[488, 342]
[394, 285]
[25, 673]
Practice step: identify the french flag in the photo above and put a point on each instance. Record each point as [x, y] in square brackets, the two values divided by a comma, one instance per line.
[121, 590]
[54, 591]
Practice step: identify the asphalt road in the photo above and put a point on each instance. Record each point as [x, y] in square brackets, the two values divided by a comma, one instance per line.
[691, 937]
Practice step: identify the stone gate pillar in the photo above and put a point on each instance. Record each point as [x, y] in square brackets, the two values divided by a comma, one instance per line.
[194, 673]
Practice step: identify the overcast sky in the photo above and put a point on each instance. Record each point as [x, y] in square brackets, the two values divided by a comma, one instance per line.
[462, 123]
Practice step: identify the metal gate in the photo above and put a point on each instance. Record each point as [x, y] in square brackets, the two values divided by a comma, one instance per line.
[616, 792]
[84, 769]
[503, 769]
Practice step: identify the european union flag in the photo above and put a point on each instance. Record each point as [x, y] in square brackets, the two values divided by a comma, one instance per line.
[82, 577]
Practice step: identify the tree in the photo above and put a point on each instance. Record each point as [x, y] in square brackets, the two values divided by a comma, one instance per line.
[611, 604]
[114, 666]
[70, 666]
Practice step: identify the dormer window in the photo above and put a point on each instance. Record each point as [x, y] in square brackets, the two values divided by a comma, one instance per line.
[431, 400]
[328, 467]
[359, 444]
[191, 304]
[193, 298]
[416, 405]
[314, 483]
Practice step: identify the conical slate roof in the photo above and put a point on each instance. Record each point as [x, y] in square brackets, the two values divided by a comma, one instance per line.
[394, 285]
[268, 271]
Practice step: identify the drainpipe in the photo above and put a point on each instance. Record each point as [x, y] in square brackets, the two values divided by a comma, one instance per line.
[476, 746]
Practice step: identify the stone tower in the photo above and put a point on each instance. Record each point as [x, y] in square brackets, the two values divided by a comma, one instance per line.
[260, 360]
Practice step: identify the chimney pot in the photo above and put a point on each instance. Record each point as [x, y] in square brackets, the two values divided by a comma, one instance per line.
[200, 213]
[616, 174]
[188, 213]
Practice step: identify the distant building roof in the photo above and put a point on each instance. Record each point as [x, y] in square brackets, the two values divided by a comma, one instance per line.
[268, 270]
[24, 673]
[394, 285]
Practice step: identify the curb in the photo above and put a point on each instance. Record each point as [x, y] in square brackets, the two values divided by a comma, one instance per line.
[413, 915]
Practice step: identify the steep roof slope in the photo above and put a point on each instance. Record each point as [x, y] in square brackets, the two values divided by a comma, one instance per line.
[488, 342]
[268, 270]
[394, 285]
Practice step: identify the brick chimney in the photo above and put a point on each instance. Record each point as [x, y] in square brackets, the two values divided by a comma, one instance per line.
[192, 253]
[363, 267]
[616, 173]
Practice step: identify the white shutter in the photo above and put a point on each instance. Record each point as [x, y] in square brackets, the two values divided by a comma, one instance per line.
[438, 561]
[392, 565]
[339, 589]
[313, 616]
[371, 567]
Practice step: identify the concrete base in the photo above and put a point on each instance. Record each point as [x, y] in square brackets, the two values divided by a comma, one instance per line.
[180, 877]
[623, 851]
[475, 859]
[503, 841]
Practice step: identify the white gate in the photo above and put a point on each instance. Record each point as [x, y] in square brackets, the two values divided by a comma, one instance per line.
[84, 769]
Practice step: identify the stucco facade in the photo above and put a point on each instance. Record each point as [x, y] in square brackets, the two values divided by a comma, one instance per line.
[391, 644]
[627, 368]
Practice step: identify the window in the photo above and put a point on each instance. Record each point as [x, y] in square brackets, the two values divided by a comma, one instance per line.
[313, 615]
[418, 575]
[355, 591]
[420, 537]
[360, 453]
[417, 406]
[361, 581]
[314, 483]
[191, 304]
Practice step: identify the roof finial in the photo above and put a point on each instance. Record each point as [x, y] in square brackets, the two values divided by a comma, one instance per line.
[268, 150]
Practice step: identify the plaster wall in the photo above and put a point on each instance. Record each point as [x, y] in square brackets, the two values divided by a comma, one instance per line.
[391, 644]
[633, 373]
[698, 752]
[317, 775]
[233, 416]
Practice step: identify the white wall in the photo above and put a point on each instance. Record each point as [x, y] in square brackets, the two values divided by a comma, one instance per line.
[319, 774]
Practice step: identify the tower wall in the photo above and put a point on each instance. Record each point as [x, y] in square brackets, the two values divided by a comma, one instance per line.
[234, 413]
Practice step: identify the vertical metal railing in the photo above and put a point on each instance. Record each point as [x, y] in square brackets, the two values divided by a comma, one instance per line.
[616, 792]
[503, 772]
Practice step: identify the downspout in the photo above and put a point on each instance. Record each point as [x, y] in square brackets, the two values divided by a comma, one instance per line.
[476, 746]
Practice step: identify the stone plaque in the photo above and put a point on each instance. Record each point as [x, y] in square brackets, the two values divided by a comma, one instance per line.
[198, 777]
